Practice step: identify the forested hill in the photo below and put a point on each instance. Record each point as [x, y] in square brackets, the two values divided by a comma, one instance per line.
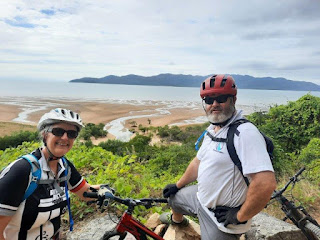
[179, 80]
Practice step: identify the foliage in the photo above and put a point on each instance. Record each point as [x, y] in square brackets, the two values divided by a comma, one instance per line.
[171, 160]
[163, 131]
[93, 130]
[17, 139]
[286, 123]
[139, 145]
[115, 146]
[310, 157]
[10, 154]
[291, 127]
[125, 174]
[136, 169]
[174, 133]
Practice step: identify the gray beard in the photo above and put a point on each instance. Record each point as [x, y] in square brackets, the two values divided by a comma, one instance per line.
[221, 117]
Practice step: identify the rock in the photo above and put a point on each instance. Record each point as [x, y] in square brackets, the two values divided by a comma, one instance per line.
[191, 232]
[94, 229]
[160, 228]
[153, 221]
[265, 227]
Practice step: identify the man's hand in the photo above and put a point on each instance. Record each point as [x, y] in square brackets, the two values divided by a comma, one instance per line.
[228, 215]
[169, 190]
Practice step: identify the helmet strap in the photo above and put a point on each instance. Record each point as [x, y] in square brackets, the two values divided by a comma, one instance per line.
[51, 155]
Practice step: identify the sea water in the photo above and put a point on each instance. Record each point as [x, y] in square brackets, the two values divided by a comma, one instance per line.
[119, 92]
[28, 94]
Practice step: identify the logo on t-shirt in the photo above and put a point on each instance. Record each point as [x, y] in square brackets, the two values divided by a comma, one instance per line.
[219, 147]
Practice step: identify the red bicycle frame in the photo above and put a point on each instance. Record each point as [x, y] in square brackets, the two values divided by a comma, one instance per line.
[128, 224]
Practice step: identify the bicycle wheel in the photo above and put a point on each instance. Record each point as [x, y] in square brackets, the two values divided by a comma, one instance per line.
[113, 233]
[312, 230]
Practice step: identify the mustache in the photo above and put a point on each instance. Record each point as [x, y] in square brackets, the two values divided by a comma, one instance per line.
[214, 109]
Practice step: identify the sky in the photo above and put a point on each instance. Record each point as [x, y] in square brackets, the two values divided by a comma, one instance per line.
[63, 40]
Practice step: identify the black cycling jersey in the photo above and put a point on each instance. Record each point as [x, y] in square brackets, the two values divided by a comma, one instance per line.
[37, 217]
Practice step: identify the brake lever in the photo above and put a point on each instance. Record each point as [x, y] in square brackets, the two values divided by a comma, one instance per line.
[93, 189]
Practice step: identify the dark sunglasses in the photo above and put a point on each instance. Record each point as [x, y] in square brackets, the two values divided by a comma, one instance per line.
[220, 99]
[59, 132]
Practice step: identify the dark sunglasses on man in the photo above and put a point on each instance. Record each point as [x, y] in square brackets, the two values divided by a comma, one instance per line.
[220, 99]
[59, 132]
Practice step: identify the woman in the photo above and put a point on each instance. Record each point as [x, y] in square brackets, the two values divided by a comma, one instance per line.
[38, 216]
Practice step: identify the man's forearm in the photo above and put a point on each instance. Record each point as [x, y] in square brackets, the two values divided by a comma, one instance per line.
[260, 189]
[190, 175]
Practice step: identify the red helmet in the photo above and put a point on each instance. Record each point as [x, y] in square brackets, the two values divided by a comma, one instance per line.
[218, 84]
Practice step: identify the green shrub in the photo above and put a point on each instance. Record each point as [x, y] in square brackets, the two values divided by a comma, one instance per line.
[17, 139]
[115, 146]
[93, 130]
[310, 157]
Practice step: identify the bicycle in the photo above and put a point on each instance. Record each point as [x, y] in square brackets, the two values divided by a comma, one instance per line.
[127, 223]
[297, 214]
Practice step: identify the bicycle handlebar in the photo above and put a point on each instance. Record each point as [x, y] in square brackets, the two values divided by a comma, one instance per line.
[127, 201]
[300, 171]
[293, 179]
[90, 194]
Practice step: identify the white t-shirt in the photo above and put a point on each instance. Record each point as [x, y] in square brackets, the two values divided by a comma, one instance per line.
[220, 182]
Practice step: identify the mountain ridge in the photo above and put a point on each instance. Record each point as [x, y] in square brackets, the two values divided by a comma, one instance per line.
[181, 80]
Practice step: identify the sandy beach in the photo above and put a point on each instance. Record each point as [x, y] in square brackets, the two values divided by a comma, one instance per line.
[92, 112]
[117, 115]
[148, 114]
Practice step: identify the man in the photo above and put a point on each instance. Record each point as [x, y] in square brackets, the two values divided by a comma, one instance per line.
[222, 200]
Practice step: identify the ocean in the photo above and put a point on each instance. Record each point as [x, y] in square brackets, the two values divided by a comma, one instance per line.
[117, 92]
[31, 95]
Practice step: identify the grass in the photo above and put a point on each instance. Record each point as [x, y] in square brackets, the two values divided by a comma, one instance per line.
[7, 128]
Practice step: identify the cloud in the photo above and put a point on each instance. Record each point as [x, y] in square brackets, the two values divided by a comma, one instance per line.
[72, 39]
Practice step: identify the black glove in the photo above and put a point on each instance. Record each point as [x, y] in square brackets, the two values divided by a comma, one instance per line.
[169, 190]
[228, 215]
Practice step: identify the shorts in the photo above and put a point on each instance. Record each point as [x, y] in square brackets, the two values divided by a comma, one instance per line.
[186, 202]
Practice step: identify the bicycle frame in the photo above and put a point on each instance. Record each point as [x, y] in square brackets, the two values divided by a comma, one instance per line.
[297, 214]
[128, 224]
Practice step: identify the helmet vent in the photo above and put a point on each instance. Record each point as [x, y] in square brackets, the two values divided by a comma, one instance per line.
[212, 80]
[223, 82]
[63, 112]
[71, 113]
[203, 86]
[233, 86]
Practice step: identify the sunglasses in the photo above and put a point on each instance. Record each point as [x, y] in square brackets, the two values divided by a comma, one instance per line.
[220, 99]
[59, 132]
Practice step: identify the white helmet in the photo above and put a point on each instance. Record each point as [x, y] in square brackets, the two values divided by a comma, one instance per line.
[59, 115]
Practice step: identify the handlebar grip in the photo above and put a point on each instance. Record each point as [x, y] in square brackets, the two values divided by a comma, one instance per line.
[90, 194]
